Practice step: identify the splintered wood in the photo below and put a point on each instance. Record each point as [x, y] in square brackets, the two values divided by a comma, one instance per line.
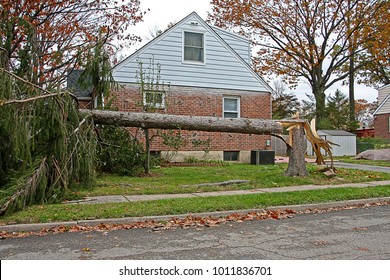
[316, 141]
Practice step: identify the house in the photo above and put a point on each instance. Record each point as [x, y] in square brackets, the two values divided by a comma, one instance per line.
[345, 140]
[382, 113]
[207, 72]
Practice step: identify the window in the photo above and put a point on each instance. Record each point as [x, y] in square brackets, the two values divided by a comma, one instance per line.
[231, 107]
[193, 47]
[231, 156]
[154, 99]
[389, 124]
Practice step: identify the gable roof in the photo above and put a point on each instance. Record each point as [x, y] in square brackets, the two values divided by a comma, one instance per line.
[384, 106]
[73, 84]
[377, 111]
[240, 71]
[332, 132]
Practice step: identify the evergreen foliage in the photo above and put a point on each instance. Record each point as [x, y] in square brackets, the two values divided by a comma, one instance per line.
[284, 104]
[117, 150]
[45, 146]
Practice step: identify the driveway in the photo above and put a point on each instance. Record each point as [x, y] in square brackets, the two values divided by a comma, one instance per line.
[362, 167]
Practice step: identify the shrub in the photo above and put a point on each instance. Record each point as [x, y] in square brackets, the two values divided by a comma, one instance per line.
[118, 152]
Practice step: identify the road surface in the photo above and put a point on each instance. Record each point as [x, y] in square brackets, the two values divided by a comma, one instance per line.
[362, 233]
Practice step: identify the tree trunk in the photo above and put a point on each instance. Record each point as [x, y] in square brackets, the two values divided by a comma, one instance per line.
[320, 97]
[296, 164]
[352, 118]
[296, 167]
[165, 121]
[147, 147]
[318, 90]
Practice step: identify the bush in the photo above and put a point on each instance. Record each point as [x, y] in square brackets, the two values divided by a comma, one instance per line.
[118, 152]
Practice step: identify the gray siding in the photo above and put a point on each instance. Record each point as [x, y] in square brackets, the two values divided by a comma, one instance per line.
[383, 92]
[239, 44]
[223, 68]
[383, 100]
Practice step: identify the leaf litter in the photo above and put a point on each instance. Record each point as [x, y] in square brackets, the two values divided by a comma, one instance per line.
[190, 221]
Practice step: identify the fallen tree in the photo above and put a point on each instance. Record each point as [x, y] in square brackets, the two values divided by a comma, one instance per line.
[296, 146]
[165, 121]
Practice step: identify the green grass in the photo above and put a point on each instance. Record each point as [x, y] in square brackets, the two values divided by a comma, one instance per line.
[66, 212]
[169, 180]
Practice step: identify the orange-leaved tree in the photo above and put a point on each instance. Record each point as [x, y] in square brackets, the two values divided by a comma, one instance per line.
[376, 71]
[41, 40]
[297, 39]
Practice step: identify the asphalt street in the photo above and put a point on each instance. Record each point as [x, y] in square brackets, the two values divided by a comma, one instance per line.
[362, 233]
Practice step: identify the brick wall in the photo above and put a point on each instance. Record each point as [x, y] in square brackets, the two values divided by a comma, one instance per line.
[202, 102]
[85, 104]
[381, 126]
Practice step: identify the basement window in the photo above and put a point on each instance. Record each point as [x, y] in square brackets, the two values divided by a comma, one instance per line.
[231, 156]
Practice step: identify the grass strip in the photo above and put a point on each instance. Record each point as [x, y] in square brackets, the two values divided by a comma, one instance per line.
[170, 180]
[61, 212]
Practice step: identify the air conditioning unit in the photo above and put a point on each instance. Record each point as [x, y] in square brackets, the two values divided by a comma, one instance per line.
[262, 157]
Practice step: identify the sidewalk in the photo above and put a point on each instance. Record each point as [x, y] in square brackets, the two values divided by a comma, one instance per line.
[135, 198]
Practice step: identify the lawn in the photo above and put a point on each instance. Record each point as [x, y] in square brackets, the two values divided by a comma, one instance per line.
[66, 212]
[171, 179]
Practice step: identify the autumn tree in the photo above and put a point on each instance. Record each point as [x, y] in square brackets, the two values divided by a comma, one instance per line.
[365, 112]
[376, 70]
[45, 144]
[298, 39]
[54, 36]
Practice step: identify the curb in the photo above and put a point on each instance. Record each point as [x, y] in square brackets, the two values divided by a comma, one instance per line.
[325, 205]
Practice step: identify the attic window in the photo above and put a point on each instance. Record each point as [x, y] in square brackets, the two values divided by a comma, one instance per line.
[193, 47]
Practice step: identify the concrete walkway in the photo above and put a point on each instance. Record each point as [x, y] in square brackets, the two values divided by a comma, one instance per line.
[135, 198]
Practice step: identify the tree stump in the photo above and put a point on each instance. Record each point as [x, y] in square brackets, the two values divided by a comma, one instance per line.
[296, 152]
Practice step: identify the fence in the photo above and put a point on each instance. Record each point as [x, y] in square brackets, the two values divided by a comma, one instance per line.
[363, 144]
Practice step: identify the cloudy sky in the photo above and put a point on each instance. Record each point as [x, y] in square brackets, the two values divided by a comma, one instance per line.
[163, 12]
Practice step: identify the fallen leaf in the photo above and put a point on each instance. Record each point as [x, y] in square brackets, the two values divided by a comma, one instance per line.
[363, 249]
[362, 228]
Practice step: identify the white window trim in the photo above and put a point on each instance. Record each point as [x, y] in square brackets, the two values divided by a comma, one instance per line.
[238, 106]
[388, 122]
[204, 49]
[157, 105]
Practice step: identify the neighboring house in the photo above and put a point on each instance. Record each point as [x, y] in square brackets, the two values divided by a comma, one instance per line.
[382, 113]
[209, 74]
[345, 140]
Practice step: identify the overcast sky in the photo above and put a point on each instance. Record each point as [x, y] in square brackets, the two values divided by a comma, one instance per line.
[163, 12]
